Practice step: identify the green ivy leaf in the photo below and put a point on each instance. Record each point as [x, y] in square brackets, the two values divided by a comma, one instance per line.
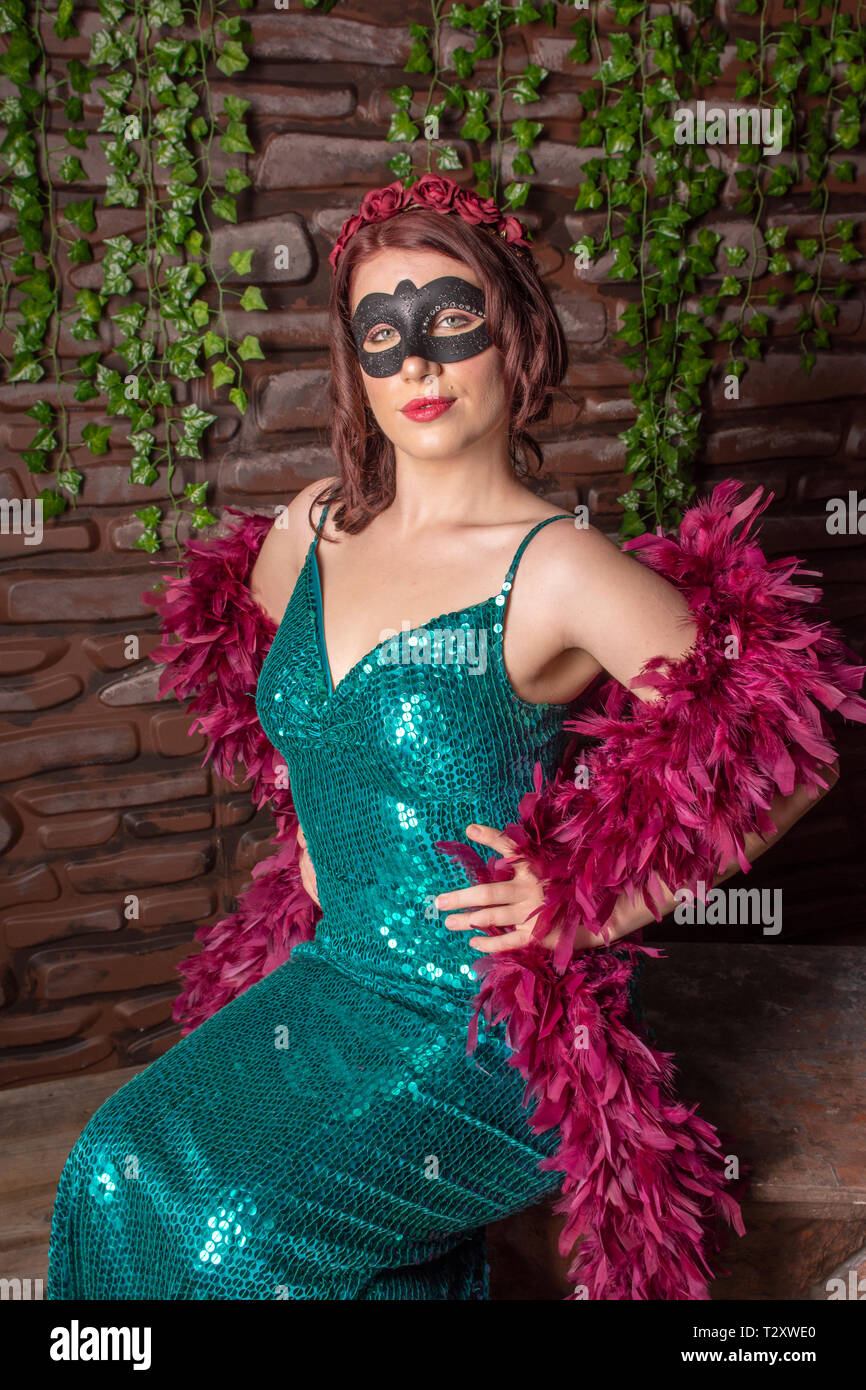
[252, 298]
[196, 492]
[81, 214]
[223, 373]
[241, 261]
[526, 132]
[236, 180]
[142, 473]
[52, 504]
[238, 397]
[79, 251]
[96, 437]
[235, 140]
[448, 158]
[148, 540]
[70, 480]
[165, 12]
[79, 77]
[250, 348]
[71, 169]
[224, 207]
[232, 58]
[580, 51]
[621, 62]
[41, 411]
[196, 420]
[402, 127]
[235, 106]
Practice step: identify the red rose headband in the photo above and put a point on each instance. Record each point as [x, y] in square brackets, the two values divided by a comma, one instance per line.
[439, 194]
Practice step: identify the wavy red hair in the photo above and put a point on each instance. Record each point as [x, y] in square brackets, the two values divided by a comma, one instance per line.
[521, 322]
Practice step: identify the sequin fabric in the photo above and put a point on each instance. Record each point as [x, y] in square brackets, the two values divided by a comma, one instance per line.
[325, 1135]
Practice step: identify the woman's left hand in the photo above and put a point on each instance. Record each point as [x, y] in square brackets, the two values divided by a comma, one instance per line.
[506, 903]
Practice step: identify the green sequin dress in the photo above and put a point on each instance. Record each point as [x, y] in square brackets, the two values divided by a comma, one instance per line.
[325, 1135]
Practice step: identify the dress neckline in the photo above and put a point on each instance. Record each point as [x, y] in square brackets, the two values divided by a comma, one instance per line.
[499, 599]
[324, 660]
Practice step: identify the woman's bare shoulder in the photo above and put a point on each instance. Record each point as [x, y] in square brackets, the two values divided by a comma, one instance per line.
[299, 518]
[283, 549]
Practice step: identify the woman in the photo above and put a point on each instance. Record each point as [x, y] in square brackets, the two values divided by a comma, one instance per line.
[321, 1131]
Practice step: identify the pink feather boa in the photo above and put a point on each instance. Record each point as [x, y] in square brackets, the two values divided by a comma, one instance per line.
[668, 798]
[223, 638]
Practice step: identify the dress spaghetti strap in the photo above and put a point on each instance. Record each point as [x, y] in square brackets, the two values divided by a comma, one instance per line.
[512, 568]
[320, 525]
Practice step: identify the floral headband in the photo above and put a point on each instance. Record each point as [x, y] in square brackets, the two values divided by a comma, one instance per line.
[439, 194]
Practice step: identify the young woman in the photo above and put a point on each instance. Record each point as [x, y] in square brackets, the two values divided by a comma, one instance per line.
[418, 633]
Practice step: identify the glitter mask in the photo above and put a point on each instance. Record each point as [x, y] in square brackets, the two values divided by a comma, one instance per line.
[411, 311]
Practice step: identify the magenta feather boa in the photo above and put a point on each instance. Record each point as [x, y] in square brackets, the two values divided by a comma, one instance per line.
[670, 794]
[223, 637]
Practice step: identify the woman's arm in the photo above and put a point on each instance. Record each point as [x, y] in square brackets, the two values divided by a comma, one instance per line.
[628, 917]
[710, 733]
[514, 902]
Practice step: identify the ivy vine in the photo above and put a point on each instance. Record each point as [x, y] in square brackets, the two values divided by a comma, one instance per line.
[160, 289]
[655, 200]
[655, 197]
[658, 235]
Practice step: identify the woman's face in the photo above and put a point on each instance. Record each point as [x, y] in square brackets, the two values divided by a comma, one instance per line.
[456, 395]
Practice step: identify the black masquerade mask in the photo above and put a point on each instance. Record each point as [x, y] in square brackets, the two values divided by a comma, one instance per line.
[412, 312]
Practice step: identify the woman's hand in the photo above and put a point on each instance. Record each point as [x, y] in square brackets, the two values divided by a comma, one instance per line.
[305, 864]
[507, 903]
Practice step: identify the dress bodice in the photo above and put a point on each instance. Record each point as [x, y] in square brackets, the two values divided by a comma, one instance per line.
[424, 735]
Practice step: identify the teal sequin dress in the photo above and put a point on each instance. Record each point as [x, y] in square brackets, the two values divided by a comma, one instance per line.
[325, 1135]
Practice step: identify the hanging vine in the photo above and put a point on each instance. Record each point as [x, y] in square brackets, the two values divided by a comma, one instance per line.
[160, 289]
[661, 239]
[655, 199]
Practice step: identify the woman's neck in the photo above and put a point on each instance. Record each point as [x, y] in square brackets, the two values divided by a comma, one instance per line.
[462, 490]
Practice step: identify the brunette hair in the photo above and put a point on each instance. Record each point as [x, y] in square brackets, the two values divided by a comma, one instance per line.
[521, 322]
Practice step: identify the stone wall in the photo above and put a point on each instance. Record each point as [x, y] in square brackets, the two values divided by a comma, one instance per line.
[102, 793]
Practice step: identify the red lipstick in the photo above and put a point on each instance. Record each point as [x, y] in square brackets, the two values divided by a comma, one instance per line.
[427, 407]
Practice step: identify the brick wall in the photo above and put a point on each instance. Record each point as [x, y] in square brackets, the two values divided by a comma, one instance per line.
[102, 794]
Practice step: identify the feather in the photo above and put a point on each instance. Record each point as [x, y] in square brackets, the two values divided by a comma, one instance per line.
[674, 787]
[221, 639]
